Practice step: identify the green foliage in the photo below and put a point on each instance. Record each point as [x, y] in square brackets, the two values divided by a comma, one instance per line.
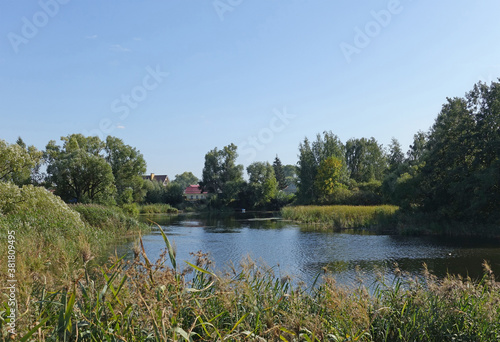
[328, 179]
[144, 301]
[158, 209]
[310, 157]
[88, 170]
[17, 162]
[221, 175]
[104, 217]
[280, 175]
[342, 216]
[365, 160]
[185, 179]
[53, 239]
[172, 194]
[262, 184]
[453, 170]
[395, 156]
[131, 209]
[127, 164]
[78, 170]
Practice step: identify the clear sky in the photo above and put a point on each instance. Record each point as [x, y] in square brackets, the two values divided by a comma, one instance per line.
[176, 78]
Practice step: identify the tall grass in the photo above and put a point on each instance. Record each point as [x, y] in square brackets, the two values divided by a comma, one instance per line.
[53, 240]
[342, 216]
[158, 208]
[143, 301]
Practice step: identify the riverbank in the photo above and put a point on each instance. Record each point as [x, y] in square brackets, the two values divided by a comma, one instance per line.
[145, 301]
[62, 296]
[48, 242]
[386, 218]
[342, 216]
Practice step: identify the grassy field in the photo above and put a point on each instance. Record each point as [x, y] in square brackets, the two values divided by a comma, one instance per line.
[342, 216]
[144, 301]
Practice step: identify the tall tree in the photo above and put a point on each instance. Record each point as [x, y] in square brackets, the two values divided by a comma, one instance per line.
[279, 173]
[262, 183]
[221, 174]
[396, 156]
[418, 148]
[365, 160]
[306, 172]
[18, 161]
[79, 170]
[328, 179]
[310, 157]
[128, 165]
[185, 179]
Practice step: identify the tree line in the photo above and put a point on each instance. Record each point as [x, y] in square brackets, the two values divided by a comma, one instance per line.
[451, 172]
[89, 170]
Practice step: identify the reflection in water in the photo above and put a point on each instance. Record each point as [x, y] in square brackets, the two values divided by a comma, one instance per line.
[297, 251]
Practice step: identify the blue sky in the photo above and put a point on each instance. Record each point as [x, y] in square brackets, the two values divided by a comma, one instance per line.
[177, 78]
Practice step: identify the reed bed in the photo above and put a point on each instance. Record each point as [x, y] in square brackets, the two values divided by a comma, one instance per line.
[138, 300]
[158, 208]
[342, 216]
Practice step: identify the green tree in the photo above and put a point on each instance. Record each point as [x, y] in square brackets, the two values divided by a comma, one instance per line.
[221, 174]
[17, 162]
[310, 157]
[174, 194]
[279, 173]
[396, 156]
[127, 164]
[329, 179]
[418, 148]
[262, 183]
[79, 171]
[306, 171]
[185, 179]
[365, 160]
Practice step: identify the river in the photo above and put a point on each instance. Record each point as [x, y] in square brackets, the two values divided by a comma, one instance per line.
[303, 253]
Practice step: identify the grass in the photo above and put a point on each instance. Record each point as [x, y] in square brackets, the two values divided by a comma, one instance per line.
[342, 216]
[158, 208]
[53, 240]
[143, 301]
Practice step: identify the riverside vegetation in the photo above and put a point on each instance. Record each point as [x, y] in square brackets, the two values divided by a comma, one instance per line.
[343, 216]
[447, 183]
[139, 300]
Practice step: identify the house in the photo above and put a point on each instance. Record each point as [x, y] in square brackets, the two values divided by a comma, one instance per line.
[163, 179]
[194, 193]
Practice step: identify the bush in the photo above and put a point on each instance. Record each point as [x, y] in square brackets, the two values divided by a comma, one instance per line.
[131, 209]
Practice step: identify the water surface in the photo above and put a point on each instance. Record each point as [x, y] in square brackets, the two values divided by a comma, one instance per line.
[302, 253]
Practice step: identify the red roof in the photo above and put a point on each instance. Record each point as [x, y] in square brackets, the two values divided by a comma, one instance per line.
[193, 190]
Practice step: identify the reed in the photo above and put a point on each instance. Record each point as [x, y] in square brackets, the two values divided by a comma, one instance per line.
[342, 216]
[138, 300]
[53, 240]
[158, 208]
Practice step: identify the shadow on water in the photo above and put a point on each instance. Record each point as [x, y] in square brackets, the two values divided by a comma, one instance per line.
[304, 253]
